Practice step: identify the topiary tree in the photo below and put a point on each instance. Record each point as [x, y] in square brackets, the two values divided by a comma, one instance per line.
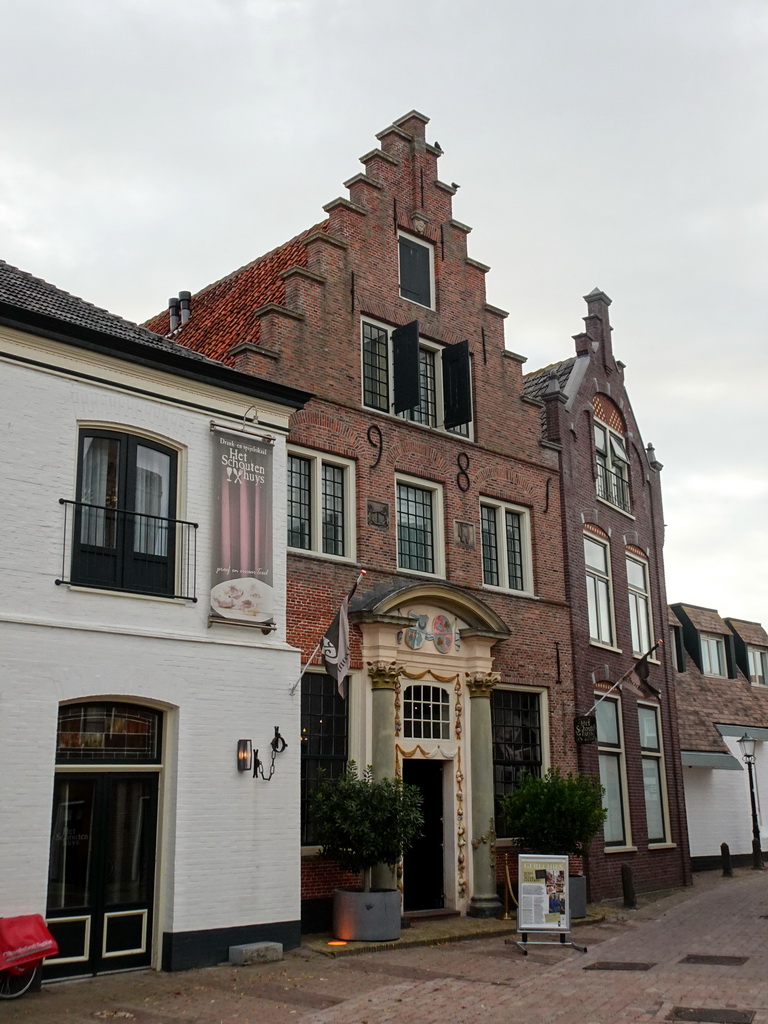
[361, 821]
[557, 814]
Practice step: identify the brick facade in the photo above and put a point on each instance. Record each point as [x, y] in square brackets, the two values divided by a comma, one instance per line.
[593, 389]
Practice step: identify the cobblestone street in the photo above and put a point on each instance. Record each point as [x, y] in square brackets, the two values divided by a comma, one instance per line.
[479, 980]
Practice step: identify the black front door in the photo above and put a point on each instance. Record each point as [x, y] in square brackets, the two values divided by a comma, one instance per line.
[423, 878]
[101, 874]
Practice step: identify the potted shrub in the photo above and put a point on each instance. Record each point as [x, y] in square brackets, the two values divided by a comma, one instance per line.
[557, 814]
[361, 822]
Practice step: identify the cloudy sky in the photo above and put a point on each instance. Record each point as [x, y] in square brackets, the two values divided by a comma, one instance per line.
[154, 145]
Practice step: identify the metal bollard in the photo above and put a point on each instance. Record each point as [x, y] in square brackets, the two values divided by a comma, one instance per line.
[628, 886]
[725, 853]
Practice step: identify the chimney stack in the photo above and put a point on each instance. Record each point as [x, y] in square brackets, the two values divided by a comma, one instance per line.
[186, 312]
[173, 312]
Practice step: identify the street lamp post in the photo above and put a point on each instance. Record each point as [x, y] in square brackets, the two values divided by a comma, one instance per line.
[747, 747]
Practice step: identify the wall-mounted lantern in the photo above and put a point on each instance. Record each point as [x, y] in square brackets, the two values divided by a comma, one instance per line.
[247, 757]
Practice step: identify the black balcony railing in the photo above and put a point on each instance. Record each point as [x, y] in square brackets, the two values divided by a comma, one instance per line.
[116, 549]
[613, 487]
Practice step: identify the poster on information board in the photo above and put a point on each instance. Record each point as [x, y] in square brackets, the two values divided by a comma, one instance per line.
[542, 894]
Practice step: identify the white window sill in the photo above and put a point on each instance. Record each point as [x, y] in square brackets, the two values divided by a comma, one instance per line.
[662, 846]
[529, 594]
[421, 575]
[311, 851]
[307, 553]
[77, 589]
[616, 508]
[605, 647]
[620, 849]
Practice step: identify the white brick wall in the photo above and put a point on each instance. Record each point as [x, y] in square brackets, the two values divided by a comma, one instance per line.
[718, 806]
[228, 844]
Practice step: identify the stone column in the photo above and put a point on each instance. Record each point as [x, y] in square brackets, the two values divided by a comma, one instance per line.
[485, 901]
[384, 677]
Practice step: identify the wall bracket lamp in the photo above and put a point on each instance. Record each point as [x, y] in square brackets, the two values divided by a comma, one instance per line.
[248, 758]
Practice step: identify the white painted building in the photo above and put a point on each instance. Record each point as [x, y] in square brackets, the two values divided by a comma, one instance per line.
[722, 671]
[123, 690]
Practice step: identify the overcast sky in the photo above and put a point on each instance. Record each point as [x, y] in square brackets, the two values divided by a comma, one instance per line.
[154, 145]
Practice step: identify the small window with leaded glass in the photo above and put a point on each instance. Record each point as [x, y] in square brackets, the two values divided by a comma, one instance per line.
[426, 712]
[505, 535]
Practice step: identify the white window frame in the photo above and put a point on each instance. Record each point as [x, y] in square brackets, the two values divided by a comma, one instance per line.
[437, 697]
[757, 659]
[710, 641]
[594, 578]
[317, 460]
[500, 508]
[640, 610]
[655, 754]
[615, 460]
[615, 751]
[429, 246]
[466, 430]
[438, 527]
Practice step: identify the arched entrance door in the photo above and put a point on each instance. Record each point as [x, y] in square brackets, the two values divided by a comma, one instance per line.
[103, 835]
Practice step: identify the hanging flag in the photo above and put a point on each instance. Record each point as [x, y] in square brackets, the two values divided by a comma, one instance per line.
[637, 677]
[334, 647]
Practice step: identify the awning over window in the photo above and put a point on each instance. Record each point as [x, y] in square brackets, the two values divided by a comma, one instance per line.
[739, 730]
[705, 759]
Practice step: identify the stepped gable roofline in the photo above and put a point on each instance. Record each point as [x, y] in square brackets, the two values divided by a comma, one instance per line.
[749, 632]
[222, 313]
[32, 305]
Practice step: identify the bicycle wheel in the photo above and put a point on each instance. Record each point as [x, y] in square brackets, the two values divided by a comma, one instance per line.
[15, 983]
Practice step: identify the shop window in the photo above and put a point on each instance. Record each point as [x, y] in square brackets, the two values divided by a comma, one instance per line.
[654, 779]
[517, 743]
[610, 745]
[323, 741]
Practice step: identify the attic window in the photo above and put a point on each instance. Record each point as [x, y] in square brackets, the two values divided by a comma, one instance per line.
[712, 655]
[416, 270]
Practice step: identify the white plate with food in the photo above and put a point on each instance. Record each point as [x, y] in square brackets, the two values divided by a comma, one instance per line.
[247, 599]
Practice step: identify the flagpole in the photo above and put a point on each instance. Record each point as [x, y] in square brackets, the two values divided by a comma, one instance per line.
[626, 675]
[320, 641]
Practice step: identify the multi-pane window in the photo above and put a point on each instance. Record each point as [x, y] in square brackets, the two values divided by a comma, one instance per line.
[426, 411]
[323, 740]
[598, 590]
[506, 548]
[612, 468]
[639, 605]
[430, 385]
[125, 533]
[712, 655]
[318, 504]
[758, 665]
[418, 528]
[375, 366]
[610, 747]
[426, 712]
[416, 270]
[516, 725]
[653, 772]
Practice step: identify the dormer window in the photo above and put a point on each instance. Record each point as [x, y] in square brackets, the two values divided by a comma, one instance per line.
[758, 665]
[612, 467]
[416, 270]
[712, 655]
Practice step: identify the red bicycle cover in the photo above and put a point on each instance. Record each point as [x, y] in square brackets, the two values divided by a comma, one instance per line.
[24, 940]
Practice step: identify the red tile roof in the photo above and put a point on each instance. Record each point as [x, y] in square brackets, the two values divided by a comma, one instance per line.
[222, 313]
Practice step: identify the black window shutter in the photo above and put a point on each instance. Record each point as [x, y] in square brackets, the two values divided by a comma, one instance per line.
[457, 399]
[414, 272]
[405, 364]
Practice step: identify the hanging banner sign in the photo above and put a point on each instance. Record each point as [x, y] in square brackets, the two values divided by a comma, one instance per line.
[542, 894]
[241, 583]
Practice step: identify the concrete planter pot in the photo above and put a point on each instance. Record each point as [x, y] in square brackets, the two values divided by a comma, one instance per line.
[366, 916]
[577, 896]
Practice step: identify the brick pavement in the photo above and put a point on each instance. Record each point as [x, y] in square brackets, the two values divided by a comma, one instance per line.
[466, 982]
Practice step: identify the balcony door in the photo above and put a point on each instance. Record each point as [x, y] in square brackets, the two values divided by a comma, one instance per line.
[124, 520]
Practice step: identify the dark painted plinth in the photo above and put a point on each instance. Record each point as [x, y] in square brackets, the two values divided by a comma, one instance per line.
[183, 951]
